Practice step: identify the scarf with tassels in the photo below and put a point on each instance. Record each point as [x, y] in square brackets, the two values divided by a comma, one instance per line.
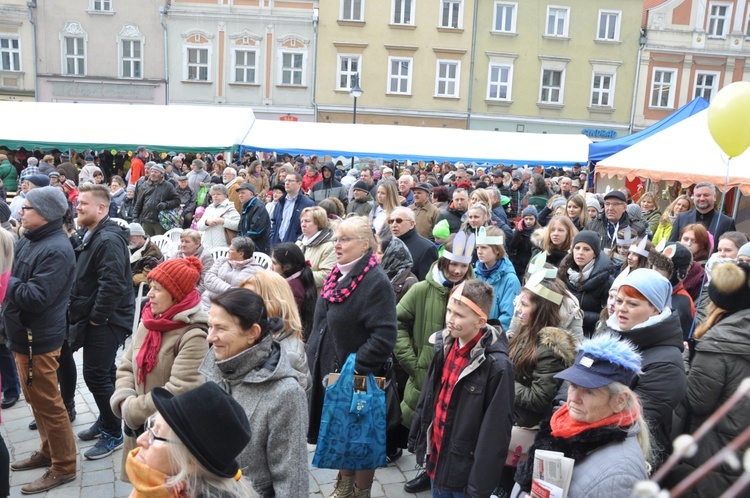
[148, 482]
[148, 355]
[338, 295]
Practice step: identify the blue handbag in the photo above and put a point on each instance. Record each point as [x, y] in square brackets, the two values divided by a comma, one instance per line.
[352, 425]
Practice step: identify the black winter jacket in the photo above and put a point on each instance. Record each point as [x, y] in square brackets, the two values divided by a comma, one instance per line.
[423, 252]
[519, 250]
[38, 289]
[453, 218]
[479, 420]
[256, 224]
[155, 197]
[599, 225]
[187, 199]
[103, 287]
[593, 292]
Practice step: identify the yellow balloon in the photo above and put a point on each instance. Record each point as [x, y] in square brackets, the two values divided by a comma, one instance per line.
[163, 155]
[729, 118]
[130, 153]
[114, 152]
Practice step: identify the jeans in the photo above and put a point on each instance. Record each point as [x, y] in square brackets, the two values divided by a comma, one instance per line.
[67, 375]
[8, 373]
[99, 372]
[436, 493]
[49, 412]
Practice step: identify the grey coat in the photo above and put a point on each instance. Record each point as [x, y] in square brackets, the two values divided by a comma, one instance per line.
[262, 380]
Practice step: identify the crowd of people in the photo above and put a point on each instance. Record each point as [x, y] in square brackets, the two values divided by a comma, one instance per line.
[512, 309]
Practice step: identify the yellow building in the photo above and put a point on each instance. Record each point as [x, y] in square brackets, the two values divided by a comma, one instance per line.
[556, 67]
[413, 58]
[17, 70]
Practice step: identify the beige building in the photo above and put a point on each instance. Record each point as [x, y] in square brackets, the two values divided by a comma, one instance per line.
[16, 51]
[244, 52]
[100, 51]
[694, 48]
[413, 58]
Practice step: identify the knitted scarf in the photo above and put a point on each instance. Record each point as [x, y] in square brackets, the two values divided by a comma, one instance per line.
[334, 294]
[148, 355]
[148, 482]
[565, 427]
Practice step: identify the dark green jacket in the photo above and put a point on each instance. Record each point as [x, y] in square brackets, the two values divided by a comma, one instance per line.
[9, 176]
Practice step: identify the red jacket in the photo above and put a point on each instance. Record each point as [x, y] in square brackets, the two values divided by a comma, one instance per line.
[308, 181]
[137, 170]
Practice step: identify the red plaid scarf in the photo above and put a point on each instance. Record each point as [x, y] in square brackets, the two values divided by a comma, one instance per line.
[334, 295]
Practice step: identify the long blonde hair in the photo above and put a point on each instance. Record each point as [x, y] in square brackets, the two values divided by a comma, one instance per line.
[664, 220]
[279, 301]
[391, 196]
[644, 436]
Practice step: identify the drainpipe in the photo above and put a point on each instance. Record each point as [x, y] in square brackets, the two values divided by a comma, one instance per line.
[641, 43]
[162, 15]
[314, 64]
[471, 64]
[31, 6]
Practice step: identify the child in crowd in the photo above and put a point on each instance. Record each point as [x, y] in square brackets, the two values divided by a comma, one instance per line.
[465, 413]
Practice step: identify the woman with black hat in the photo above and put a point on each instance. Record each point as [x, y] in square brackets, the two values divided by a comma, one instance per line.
[189, 447]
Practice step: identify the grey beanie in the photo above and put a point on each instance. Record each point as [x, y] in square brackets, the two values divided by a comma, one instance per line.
[744, 250]
[634, 212]
[530, 210]
[591, 202]
[49, 202]
[652, 285]
[136, 229]
[158, 167]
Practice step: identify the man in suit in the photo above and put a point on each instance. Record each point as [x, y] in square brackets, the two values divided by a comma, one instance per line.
[705, 213]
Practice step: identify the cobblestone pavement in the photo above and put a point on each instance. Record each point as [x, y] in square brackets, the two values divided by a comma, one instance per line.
[101, 478]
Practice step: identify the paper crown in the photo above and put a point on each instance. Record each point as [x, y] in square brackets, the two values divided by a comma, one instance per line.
[458, 295]
[640, 247]
[463, 249]
[628, 237]
[661, 245]
[534, 284]
[537, 263]
[483, 239]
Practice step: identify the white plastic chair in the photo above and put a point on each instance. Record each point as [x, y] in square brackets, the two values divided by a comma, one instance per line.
[164, 244]
[264, 260]
[121, 222]
[174, 236]
[138, 299]
[219, 252]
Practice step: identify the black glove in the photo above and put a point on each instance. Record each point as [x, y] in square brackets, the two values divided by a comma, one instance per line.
[161, 206]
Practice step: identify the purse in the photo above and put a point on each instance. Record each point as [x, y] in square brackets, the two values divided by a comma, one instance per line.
[353, 424]
[229, 235]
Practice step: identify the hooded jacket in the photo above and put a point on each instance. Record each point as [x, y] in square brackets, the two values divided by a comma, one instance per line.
[421, 312]
[329, 187]
[261, 379]
[476, 435]
[722, 360]
[506, 285]
[592, 293]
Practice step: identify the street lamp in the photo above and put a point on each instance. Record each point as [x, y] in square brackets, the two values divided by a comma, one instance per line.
[356, 92]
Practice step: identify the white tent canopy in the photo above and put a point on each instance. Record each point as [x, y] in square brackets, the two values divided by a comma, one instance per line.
[416, 143]
[181, 128]
[684, 152]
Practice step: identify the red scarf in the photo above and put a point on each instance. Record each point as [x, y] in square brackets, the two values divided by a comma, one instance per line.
[148, 356]
[565, 427]
[334, 295]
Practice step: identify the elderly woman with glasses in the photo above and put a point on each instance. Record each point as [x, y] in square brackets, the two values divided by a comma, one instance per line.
[220, 216]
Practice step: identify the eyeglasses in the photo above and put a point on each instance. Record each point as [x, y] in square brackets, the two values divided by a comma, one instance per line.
[152, 435]
[396, 220]
[24, 208]
[344, 239]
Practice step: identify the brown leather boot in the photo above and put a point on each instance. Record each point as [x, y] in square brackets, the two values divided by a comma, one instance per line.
[35, 461]
[51, 479]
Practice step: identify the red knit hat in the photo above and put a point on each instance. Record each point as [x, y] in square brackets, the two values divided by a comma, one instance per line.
[178, 276]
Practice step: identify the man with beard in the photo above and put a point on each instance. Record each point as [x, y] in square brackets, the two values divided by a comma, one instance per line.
[144, 254]
[456, 211]
[705, 213]
[362, 202]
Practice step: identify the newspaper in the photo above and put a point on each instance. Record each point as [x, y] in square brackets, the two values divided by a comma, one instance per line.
[552, 474]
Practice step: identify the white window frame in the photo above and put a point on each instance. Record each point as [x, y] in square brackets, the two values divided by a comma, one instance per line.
[671, 88]
[714, 88]
[498, 84]
[610, 92]
[399, 78]
[513, 6]
[747, 25]
[187, 64]
[447, 80]
[132, 60]
[403, 11]
[605, 15]
[349, 72]
[455, 16]
[566, 21]
[79, 57]
[560, 89]
[351, 4]
[12, 53]
[713, 20]
[99, 6]
[282, 69]
[245, 68]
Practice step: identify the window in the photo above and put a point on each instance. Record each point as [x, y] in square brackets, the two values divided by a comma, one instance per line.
[352, 10]
[451, 13]
[245, 66]
[131, 59]
[500, 82]
[75, 58]
[101, 5]
[552, 86]
[718, 20]
[291, 68]
[662, 88]
[348, 66]
[602, 90]
[557, 21]
[399, 75]
[609, 26]
[446, 83]
[403, 12]
[706, 84]
[505, 17]
[10, 54]
[197, 64]
[747, 25]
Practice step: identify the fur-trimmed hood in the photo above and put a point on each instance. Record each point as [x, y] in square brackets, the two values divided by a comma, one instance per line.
[537, 238]
[560, 342]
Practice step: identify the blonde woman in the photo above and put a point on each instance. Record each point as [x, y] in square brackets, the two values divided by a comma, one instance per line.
[664, 230]
[386, 200]
[651, 213]
[316, 244]
[279, 301]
